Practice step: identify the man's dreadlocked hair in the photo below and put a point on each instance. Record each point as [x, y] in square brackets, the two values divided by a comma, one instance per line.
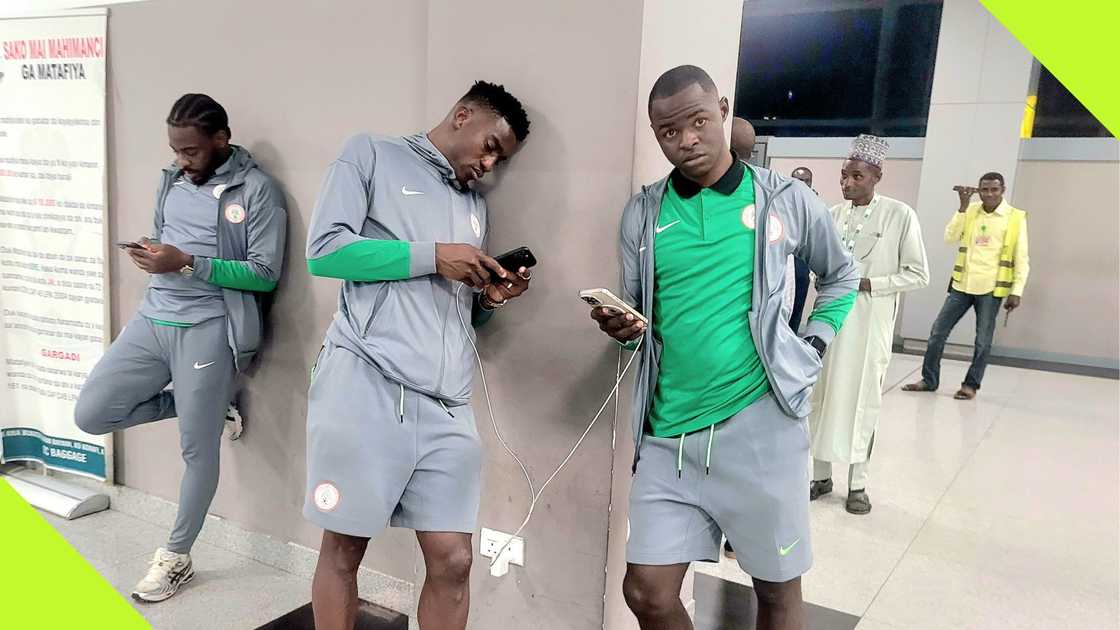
[201, 111]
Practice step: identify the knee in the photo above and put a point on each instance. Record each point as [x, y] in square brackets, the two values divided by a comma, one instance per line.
[452, 566]
[646, 600]
[778, 594]
[341, 553]
[90, 414]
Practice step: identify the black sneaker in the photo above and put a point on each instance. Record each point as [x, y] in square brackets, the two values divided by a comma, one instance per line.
[818, 489]
[858, 502]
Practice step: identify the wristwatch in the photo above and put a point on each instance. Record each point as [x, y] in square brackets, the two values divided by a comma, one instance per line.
[487, 304]
[188, 270]
[818, 344]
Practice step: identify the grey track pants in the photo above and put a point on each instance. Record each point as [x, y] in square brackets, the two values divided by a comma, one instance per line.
[126, 388]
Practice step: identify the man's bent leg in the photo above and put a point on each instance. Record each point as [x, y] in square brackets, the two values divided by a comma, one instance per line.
[334, 589]
[125, 388]
[445, 598]
[203, 373]
[780, 606]
[956, 305]
[653, 594]
[987, 312]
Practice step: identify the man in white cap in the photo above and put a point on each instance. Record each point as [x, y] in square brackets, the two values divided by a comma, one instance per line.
[885, 241]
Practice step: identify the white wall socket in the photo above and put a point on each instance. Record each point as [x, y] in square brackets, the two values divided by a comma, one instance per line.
[492, 541]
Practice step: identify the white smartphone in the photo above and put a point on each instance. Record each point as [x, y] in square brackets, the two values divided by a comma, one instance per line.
[604, 298]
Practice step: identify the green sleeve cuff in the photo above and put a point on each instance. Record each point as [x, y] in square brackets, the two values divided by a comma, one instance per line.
[231, 274]
[835, 312]
[370, 261]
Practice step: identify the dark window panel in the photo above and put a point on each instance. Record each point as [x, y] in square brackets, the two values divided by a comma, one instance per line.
[1059, 114]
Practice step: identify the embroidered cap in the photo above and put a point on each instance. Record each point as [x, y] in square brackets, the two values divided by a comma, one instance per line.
[869, 149]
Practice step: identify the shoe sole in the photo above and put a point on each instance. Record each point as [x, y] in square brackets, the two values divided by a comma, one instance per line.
[857, 512]
[163, 596]
[236, 428]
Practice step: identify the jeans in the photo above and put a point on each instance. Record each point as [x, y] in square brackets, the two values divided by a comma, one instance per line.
[956, 305]
[800, 291]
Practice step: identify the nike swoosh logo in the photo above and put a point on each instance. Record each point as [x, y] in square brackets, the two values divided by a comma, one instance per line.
[204, 365]
[662, 228]
[408, 193]
[784, 551]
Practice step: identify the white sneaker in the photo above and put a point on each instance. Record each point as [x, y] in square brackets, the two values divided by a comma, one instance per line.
[234, 422]
[167, 572]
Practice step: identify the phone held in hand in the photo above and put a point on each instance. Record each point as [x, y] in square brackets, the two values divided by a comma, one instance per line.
[514, 260]
[603, 297]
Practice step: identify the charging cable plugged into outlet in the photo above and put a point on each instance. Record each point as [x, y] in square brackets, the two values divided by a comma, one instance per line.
[500, 560]
[503, 548]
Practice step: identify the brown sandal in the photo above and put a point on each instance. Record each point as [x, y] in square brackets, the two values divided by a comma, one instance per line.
[920, 386]
[965, 393]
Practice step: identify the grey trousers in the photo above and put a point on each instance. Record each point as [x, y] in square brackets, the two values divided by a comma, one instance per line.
[126, 388]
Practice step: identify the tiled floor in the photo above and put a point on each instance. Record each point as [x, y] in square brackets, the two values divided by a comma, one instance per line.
[996, 513]
[229, 591]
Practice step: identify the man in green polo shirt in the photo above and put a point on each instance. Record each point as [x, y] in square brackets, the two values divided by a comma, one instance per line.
[723, 385]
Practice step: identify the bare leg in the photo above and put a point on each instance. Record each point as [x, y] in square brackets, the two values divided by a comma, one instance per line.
[445, 598]
[653, 593]
[779, 605]
[334, 590]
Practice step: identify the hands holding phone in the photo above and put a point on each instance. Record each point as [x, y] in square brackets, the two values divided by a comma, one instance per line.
[620, 326]
[615, 317]
[156, 257]
[468, 264]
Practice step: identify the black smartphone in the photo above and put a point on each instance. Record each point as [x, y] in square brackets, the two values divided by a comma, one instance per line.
[514, 260]
[129, 245]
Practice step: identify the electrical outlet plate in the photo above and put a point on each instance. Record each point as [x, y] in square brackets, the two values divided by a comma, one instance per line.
[492, 541]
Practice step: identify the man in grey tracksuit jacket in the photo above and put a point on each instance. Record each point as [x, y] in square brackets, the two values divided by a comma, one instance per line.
[391, 439]
[723, 384]
[216, 251]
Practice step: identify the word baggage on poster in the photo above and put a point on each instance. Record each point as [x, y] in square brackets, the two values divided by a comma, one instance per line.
[52, 235]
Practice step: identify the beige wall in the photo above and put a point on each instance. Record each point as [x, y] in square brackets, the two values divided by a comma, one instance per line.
[1072, 300]
[900, 177]
[1073, 296]
[296, 83]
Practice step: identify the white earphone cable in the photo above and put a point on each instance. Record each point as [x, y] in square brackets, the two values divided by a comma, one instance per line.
[535, 494]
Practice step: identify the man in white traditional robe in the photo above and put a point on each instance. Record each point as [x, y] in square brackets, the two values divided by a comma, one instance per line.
[885, 240]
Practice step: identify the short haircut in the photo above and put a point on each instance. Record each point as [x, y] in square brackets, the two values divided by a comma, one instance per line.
[803, 168]
[495, 98]
[679, 78]
[201, 111]
[994, 175]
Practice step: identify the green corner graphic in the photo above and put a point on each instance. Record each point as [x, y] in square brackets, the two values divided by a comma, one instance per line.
[44, 583]
[1076, 41]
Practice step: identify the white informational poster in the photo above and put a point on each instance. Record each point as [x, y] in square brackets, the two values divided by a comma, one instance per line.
[53, 273]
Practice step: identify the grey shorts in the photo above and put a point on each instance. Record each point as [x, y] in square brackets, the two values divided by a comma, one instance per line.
[369, 467]
[756, 492]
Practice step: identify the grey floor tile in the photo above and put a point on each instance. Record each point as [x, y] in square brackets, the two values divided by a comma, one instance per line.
[229, 592]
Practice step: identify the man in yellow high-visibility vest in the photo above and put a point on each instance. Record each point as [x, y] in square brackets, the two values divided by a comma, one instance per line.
[992, 264]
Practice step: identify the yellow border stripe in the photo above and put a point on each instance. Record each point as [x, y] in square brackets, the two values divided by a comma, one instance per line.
[44, 583]
[1077, 42]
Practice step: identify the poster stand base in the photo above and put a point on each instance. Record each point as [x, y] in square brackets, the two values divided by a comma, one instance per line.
[54, 495]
